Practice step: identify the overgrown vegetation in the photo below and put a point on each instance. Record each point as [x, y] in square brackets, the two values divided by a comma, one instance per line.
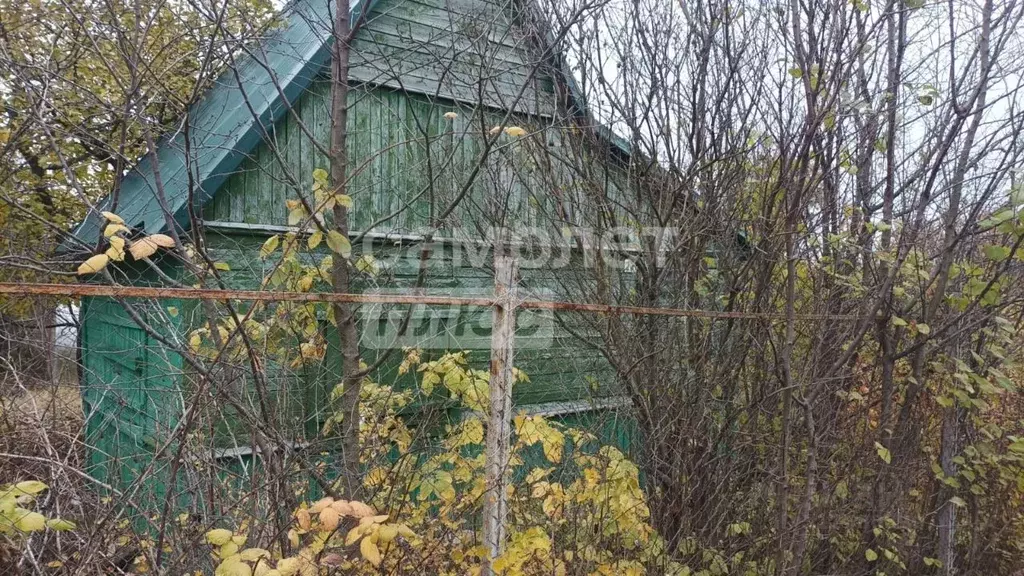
[790, 234]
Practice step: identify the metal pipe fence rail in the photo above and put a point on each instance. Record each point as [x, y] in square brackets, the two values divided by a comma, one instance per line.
[78, 290]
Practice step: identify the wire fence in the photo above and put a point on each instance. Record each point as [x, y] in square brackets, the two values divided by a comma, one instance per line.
[147, 417]
[79, 290]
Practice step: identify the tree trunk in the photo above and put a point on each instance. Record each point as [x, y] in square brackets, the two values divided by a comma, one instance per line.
[344, 313]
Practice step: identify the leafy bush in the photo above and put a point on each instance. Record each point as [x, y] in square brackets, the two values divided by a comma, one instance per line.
[582, 512]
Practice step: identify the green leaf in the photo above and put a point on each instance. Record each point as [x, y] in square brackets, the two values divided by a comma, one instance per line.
[996, 219]
[314, 239]
[924, 329]
[996, 252]
[842, 490]
[60, 524]
[1017, 195]
[222, 266]
[343, 200]
[28, 521]
[796, 72]
[368, 264]
[871, 555]
[897, 321]
[269, 246]
[30, 486]
[883, 453]
[958, 501]
[337, 242]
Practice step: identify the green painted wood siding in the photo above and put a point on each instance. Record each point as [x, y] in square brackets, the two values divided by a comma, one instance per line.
[560, 366]
[471, 51]
[406, 160]
[130, 393]
[410, 162]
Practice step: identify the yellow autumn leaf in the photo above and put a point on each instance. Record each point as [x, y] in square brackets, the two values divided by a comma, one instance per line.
[534, 430]
[116, 250]
[367, 520]
[515, 131]
[288, 566]
[31, 486]
[142, 248]
[195, 341]
[329, 519]
[320, 504]
[313, 241]
[28, 521]
[60, 524]
[343, 507]
[228, 550]
[162, 240]
[355, 534]
[387, 533]
[219, 536]
[93, 264]
[500, 564]
[302, 515]
[337, 242]
[233, 567]
[269, 246]
[343, 200]
[111, 217]
[370, 551]
[252, 554]
[262, 568]
[114, 228]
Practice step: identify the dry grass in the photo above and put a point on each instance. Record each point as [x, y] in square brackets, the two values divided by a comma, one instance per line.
[40, 427]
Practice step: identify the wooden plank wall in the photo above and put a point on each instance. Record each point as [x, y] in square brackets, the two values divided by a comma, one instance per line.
[415, 61]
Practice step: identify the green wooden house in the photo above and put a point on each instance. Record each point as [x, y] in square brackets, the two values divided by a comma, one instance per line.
[429, 78]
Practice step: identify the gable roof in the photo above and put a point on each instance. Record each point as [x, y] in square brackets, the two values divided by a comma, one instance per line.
[223, 124]
[234, 114]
